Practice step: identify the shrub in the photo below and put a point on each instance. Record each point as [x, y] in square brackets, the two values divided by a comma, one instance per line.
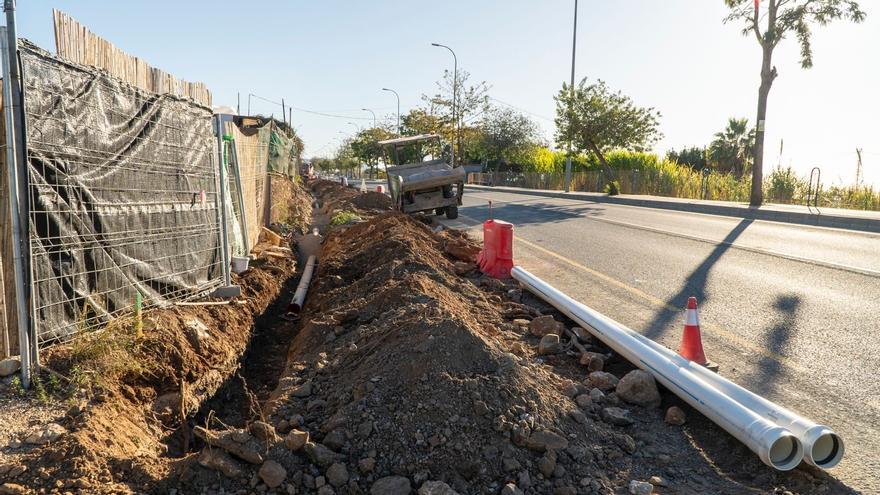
[783, 185]
[612, 188]
[343, 218]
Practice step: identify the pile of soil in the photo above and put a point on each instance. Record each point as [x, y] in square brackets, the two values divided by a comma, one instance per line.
[333, 197]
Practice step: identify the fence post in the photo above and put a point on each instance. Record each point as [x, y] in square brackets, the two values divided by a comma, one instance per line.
[228, 290]
[233, 153]
[14, 152]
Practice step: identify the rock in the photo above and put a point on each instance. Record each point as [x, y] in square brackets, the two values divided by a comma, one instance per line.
[637, 487]
[524, 480]
[578, 415]
[582, 335]
[521, 322]
[545, 325]
[518, 349]
[461, 250]
[272, 474]
[232, 441]
[510, 464]
[616, 416]
[303, 390]
[675, 416]
[603, 381]
[219, 460]
[480, 408]
[263, 431]
[584, 401]
[391, 485]
[543, 440]
[366, 465]
[296, 440]
[547, 464]
[12, 489]
[657, 481]
[49, 433]
[463, 267]
[436, 488]
[549, 344]
[326, 490]
[319, 454]
[597, 395]
[335, 440]
[365, 429]
[9, 366]
[511, 489]
[593, 361]
[565, 490]
[638, 387]
[337, 475]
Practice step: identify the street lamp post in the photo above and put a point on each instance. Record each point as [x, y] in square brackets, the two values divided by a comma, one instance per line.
[571, 99]
[398, 108]
[374, 115]
[455, 122]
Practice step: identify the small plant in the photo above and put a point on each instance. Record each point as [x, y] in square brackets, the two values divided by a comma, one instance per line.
[343, 218]
[612, 188]
[17, 387]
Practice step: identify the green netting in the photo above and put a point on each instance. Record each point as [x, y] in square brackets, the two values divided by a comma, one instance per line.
[281, 154]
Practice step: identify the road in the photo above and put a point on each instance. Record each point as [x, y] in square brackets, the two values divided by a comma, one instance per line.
[788, 311]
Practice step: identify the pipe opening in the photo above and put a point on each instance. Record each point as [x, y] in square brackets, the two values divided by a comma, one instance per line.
[827, 451]
[786, 453]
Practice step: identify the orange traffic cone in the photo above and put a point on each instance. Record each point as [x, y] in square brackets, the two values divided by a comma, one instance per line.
[691, 341]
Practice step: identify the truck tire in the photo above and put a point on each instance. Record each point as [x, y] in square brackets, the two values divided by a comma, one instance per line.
[452, 212]
[439, 211]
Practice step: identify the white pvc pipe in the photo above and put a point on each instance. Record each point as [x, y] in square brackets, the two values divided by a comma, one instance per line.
[302, 288]
[775, 445]
[823, 447]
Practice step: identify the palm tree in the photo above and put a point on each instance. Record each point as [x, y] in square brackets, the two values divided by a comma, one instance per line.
[731, 149]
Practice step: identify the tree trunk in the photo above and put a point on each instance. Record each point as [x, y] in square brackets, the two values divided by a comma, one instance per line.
[768, 74]
[601, 157]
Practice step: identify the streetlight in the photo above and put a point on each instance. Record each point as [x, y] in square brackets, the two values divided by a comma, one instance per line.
[398, 108]
[454, 97]
[571, 99]
[374, 115]
[355, 126]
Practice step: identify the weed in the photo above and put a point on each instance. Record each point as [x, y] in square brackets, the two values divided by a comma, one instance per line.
[343, 218]
[612, 188]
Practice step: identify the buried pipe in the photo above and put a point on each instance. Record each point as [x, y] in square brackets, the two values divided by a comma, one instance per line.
[302, 288]
[823, 447]
[776, 446]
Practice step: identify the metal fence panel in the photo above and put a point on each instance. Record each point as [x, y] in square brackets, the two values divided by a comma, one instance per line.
[123, 196]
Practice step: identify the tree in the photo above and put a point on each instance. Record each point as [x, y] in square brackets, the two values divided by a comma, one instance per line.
[507, 135]
[472, 102]
[731, 149]
[365, 145]
[599, 120]
[783, 17]
[693, 157]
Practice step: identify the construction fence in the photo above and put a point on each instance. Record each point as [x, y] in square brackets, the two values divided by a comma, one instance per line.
[123, 198]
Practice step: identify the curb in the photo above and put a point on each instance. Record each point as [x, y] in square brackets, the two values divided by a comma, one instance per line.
[812, 219]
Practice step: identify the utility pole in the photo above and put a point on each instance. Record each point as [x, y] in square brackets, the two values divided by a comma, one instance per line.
[571, 102]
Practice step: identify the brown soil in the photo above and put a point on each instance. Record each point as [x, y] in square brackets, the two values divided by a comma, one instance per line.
[405, 362]
[333, 197]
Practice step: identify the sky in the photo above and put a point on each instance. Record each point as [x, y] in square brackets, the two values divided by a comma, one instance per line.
[334, 56]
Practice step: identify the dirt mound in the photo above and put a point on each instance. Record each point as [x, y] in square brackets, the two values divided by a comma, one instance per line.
[403, 369]
[333, 197]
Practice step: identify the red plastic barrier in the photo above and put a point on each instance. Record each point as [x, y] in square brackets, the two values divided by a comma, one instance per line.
[496, 258]
[379, 188]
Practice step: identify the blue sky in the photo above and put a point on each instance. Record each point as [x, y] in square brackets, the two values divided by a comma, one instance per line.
[675, 55]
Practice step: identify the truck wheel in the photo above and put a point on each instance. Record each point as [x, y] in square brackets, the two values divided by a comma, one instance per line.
[452, 212]
[439, 211]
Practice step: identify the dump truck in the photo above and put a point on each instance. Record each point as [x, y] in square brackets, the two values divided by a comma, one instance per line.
[420, 178]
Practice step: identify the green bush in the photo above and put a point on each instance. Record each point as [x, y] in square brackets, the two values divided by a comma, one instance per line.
[612, 188]
[343, 218]
[783, 185]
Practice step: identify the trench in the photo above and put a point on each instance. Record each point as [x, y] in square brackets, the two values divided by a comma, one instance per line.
[239, 400]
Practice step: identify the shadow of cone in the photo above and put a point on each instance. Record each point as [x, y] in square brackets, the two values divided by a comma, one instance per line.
[691, 340]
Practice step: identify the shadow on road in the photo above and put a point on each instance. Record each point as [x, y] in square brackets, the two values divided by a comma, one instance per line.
[764, 376]
[533, 212]
[695, 284]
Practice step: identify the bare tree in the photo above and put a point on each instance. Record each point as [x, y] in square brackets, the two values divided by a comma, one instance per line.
[783, 17]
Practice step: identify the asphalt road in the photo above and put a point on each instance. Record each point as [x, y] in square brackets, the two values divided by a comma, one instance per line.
[788, 311]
